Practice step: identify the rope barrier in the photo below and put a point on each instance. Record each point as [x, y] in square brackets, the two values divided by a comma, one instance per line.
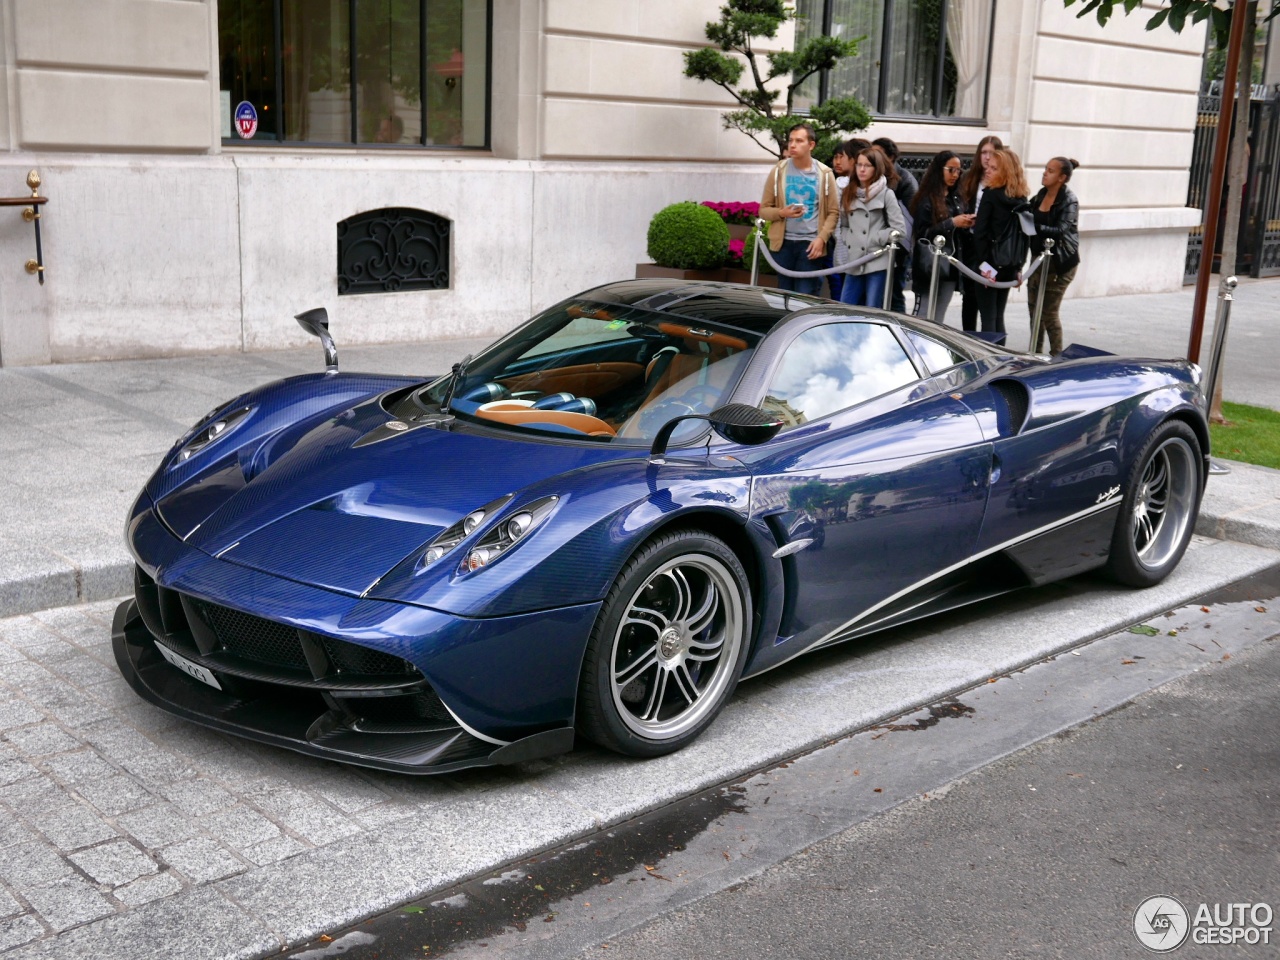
[996, 284]
[762, 247]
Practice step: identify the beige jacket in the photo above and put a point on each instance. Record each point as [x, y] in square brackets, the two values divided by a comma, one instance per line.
[775, 198]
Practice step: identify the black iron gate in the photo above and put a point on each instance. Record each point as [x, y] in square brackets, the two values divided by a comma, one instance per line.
[1259, 238]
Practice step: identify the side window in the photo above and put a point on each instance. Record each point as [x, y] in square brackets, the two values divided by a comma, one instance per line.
[937, 356]
[834, 366]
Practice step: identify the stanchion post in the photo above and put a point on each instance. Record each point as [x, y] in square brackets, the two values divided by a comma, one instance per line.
[1226, 295]
[758, 234]
[894, 237]
[1045, 259]
[938, 243]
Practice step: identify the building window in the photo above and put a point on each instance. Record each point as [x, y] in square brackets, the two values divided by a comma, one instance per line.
[362, 72]
[920, 58]
[396, 248]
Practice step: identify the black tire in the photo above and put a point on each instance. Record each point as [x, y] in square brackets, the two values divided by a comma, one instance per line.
[1158, 512]
[668, 646]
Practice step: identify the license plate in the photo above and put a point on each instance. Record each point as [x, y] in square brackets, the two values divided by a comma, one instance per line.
[187, 667]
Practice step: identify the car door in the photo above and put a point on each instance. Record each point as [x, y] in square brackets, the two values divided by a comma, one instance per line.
[883, 474]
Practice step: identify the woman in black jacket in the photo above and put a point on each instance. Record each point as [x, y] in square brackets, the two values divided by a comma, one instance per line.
[937, 209]
[1057, 215]
[1004, 198]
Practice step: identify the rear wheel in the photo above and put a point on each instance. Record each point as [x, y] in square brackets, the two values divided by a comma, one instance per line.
[668, 647]
[1157, 515]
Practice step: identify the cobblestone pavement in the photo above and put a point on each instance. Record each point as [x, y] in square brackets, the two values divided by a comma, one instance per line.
[127, 832]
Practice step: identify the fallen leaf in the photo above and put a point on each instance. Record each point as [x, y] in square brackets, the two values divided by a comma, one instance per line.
[1127, 662]
[1173, 633]
[1204, 609]
[726, 854]
[1226, 656]
[325, 938]
[548, 918]
[856, 772]
[538, 886]
[878, 790]
[649, 868]
[992, 680]
[411, 909]
[1144, 629]
[1260, 609]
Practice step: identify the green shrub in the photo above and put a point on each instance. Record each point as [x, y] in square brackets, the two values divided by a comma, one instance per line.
[688, 236]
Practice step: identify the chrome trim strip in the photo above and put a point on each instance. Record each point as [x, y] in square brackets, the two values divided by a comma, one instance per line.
[834, 634]
[471, 730]
[795, 546]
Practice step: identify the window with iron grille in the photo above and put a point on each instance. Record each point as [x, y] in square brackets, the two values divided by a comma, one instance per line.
[920, 59]
[395, 248]
[366, 72]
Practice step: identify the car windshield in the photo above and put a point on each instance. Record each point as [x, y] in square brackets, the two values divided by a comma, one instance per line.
[600, 371]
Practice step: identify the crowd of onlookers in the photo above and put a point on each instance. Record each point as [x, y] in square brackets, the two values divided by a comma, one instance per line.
[987, 220]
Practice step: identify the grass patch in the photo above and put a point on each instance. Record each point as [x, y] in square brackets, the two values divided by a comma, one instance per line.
[1250, 435]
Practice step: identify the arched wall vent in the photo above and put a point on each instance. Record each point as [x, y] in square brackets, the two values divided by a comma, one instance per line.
[396, 248]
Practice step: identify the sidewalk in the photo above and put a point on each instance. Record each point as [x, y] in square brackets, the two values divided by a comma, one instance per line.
[79, 440]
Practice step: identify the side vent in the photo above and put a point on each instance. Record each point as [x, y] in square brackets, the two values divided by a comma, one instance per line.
[1015, 404]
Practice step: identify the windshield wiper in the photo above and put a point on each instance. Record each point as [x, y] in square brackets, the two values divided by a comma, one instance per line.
[459, 371]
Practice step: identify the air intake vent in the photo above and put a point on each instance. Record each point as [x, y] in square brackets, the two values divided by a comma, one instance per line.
[1013, 409]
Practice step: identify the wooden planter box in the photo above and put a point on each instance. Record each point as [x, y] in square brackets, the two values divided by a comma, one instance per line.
[649, 271]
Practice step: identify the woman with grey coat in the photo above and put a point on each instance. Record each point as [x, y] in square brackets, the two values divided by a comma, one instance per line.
[869, 211]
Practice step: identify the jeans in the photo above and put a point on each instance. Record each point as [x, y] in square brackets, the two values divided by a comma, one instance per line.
[794, 255]
[864, 289]
[1050, 322]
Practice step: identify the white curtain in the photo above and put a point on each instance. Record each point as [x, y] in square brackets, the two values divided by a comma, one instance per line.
[968, 29]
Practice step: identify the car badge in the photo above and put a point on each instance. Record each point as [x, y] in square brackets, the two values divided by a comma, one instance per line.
[396, 425]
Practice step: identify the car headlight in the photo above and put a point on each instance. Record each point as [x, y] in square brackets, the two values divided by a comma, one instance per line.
[211, 427]
[454, 535]
[508, 532]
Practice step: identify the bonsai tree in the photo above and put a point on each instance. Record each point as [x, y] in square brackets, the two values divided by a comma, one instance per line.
[761, 117]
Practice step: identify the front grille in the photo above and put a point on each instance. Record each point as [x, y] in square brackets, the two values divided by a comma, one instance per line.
[408, 709]
[255, 638]
[353, 658]
[229, 640]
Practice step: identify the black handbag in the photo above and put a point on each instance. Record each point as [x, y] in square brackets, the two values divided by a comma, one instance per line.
[924, 258]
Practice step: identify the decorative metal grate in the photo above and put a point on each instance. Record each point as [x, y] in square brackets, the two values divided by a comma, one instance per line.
[396, 248]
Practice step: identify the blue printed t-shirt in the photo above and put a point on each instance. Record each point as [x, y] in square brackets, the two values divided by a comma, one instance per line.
[802, 188]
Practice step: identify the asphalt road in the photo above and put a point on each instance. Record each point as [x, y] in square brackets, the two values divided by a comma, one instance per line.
[1027, 817]
[1046, 853]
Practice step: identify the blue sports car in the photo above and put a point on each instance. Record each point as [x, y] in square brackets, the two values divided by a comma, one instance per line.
[604, 521]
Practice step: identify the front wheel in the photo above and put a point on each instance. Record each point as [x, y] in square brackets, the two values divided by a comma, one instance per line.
[668, 647]
[1158, 513]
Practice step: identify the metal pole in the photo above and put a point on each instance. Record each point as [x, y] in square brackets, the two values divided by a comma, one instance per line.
[758, 233]
[1044, 282]
[938, 243]
[1226, 297]
[1220, 146]
[894, 237]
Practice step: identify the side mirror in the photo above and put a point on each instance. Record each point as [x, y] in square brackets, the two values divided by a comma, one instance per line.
[736, 422]
[316, 323]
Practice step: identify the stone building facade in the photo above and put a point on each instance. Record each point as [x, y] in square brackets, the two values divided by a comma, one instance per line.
[166, 232]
